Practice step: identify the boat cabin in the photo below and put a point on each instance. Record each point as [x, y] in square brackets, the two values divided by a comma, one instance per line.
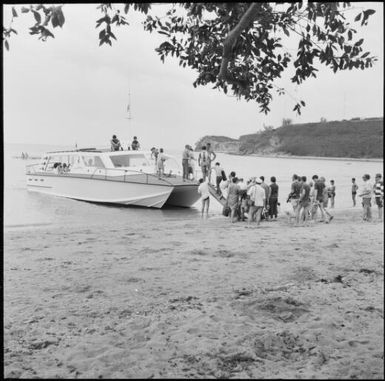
[94, 161]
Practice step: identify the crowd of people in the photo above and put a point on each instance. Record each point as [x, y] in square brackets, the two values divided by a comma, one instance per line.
[309, 200]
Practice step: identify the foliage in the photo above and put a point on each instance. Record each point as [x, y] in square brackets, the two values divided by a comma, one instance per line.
[236, 47]
[323, 120]
[286, 122]
[337, 139]
[354, 138]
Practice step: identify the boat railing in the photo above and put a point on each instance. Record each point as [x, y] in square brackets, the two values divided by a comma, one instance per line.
[112, 174]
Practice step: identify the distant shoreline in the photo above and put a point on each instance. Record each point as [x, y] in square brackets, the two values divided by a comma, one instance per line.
[272, 156]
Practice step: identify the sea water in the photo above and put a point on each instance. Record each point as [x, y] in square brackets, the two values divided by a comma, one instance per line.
[31, 209]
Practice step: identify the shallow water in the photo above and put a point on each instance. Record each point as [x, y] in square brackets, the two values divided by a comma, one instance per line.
[30, 209]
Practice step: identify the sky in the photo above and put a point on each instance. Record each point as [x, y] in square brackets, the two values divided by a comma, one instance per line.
[68, 90]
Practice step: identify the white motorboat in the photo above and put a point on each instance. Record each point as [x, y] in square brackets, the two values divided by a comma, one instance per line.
[119, 177]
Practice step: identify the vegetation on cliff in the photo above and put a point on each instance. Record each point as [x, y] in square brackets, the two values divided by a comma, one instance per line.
[354, 138]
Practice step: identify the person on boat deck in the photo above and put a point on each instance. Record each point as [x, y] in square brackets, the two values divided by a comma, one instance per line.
[115, 144]
[191, 164]
[154, 156]
[135, 144]
[212, 157]
[161, 160]
[185, 160]
[203, 162]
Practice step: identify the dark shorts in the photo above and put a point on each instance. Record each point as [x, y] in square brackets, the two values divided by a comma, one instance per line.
[304, 204]
[379, 202]
[366, 202]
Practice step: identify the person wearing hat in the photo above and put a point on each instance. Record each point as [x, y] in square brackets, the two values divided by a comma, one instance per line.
[135, 144]
[257, 197]
[115, 144]
[379, 194]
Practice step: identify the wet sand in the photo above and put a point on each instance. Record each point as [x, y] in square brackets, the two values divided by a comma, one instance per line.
[195, 299]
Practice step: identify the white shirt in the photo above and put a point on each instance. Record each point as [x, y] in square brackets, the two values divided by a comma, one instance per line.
[203, 189]
[366, 190]
[257, 194]
[242, 185]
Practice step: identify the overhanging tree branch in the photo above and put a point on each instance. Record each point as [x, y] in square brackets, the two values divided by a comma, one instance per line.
[230, 42]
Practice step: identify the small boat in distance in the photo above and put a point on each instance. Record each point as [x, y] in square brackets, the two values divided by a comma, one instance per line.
[26, 156]
[118, 177]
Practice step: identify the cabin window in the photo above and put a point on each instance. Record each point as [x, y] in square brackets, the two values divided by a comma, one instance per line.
[93, 161]
[129, 161]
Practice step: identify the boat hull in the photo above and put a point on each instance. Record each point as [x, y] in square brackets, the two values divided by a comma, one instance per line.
[183, 196]
[101, 190]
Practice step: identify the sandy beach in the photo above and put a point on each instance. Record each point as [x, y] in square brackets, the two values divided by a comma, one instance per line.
[195, 299]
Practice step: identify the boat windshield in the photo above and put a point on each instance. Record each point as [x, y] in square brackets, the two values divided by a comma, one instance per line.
[129, 160]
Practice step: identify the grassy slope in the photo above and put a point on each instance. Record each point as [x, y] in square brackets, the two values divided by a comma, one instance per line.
[356, 139]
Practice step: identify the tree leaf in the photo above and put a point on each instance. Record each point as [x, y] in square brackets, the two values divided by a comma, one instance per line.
[358, 43]
[358, 17]
[37, 16]
[54, 20]
[369, 12]
[14, 13]
[60, 17]
[24, 10]
[165, 33]
[6, 44]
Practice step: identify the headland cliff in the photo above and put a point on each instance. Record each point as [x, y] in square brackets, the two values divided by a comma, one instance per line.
[355, 138]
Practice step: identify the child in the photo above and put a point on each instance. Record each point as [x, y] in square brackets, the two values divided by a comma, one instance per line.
[203, 190]
[332, 193]
[354, 191]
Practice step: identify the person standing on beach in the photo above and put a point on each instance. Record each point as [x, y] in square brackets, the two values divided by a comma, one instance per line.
[294, 195]
[212, 157]
[257, 197]
[320, 187]
[185, 160]
[233, 198]
[203, 190]
[379, 194]
[366, 194]
[314, 202]
[273, 199]
[224, 185]
[354, 191]
[332, 193]
[304, 201]
[266, 188]
[203, 162]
